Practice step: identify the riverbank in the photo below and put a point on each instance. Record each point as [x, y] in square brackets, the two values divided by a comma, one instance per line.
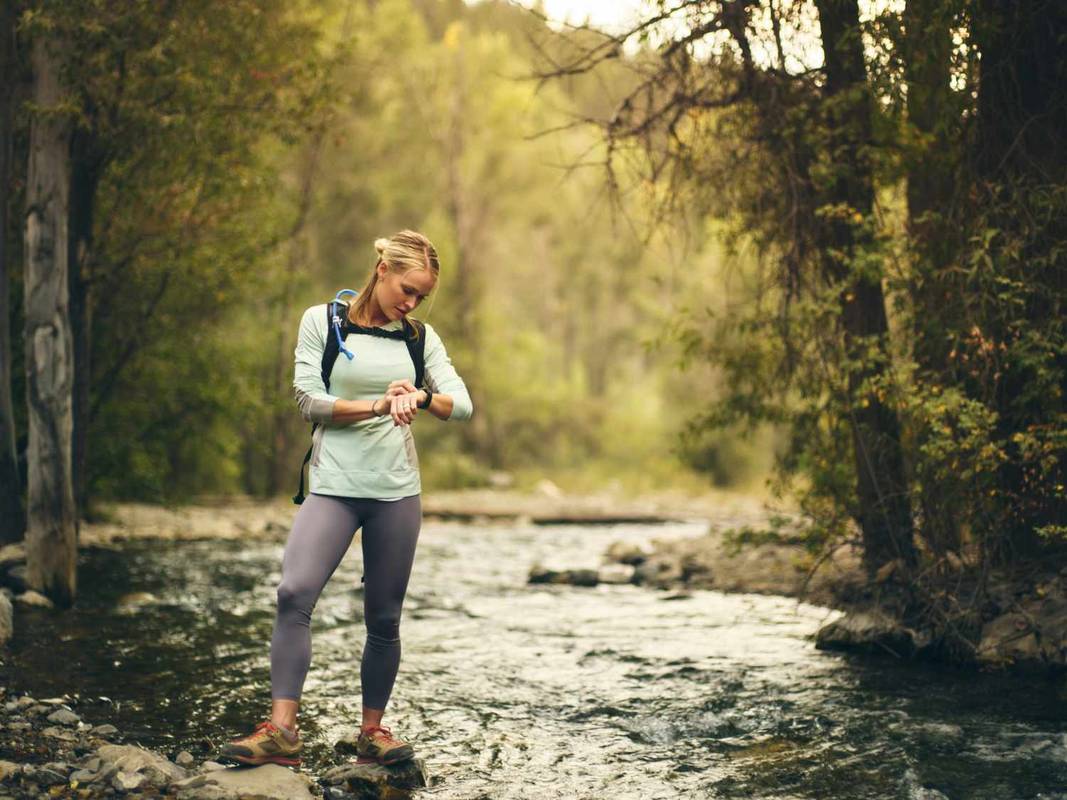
[48, 750]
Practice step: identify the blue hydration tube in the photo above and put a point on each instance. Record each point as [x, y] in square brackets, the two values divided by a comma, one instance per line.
[335, 317]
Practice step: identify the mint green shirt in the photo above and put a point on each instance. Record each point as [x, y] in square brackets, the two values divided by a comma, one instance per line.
[372, 458]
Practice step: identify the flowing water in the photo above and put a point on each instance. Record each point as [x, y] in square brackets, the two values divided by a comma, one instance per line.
[517, 691]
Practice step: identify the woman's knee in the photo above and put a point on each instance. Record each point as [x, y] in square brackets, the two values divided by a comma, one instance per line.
[384, 623]
[294, 597]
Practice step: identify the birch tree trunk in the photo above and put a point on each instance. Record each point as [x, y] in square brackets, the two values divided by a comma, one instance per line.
[12, 514]
[51, 534]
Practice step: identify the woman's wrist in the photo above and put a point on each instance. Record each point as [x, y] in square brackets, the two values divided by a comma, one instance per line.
[374, 408]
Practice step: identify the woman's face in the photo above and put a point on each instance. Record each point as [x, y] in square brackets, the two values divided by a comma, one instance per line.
[398, 294]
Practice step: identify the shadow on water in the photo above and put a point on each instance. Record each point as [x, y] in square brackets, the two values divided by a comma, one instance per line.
[514, 691]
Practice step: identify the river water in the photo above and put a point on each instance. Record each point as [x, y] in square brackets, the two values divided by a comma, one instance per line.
[517, 691]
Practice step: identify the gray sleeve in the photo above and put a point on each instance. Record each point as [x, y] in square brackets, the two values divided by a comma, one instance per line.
[441, 377]
[316, 404]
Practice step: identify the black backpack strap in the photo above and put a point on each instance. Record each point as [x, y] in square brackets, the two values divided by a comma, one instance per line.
[299, 497]
[416, 342]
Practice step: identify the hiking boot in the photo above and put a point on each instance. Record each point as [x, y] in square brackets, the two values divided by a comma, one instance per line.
[267, 744]
[377, 744]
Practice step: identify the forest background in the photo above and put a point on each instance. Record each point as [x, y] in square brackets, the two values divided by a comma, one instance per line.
[845, 219]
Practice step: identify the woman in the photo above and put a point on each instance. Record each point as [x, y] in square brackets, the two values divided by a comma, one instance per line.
[364, 474]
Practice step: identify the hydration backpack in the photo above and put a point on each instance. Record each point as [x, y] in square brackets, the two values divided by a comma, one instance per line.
[338, 326]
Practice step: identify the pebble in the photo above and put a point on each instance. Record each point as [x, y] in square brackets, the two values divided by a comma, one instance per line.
[64, 717]
[128, 781]
[211, 766]
[8, 768]
[105, 730]
[25, 702]
[184, 759]
[58, 733]
[32, 598]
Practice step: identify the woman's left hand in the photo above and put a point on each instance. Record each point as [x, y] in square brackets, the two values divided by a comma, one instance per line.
[404, 407]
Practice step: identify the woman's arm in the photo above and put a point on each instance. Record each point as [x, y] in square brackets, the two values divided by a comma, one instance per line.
[451, 400]
[316, 404]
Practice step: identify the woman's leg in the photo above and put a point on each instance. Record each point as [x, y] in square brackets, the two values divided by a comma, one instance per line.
[390, 533]
[322, 531]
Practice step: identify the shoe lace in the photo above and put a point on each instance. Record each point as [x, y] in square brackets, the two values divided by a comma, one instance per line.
[385, 734]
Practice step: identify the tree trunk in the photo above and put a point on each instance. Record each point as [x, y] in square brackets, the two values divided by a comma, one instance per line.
[850, 260]
[12, 513]
[86, 166]
[934, 243]
[51, 535]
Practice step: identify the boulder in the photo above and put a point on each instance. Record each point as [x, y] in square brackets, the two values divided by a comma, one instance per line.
[127, 758]
[369, 781]
[268, 782]
[871, 630]
[1008, 639]
[7, 619]
[628, 553]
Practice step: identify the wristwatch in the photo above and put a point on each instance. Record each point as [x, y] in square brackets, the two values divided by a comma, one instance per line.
[429, 397]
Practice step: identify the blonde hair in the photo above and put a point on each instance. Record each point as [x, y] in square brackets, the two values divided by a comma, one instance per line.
[402, 252]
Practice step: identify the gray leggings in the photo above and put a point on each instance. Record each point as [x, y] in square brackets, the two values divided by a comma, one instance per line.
[322, 530]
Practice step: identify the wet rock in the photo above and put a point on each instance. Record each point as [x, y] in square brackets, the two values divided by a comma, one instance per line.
[53, 732]
[374, 780]
[572, 577]
[184, 759]
[82, 776]
[104, 730]
[268, 782]
[659, 571]
[49, 777]
[93, 764]
[64, 717]
[7, 619]
[7, 769]
[26, 702]
[32, 598]
[125, 781]
[1009, 638]
[616, 573]
[910, 788]
[628, 553]
[940, 736]
[127, 758]
[870, 630]
[211, 766]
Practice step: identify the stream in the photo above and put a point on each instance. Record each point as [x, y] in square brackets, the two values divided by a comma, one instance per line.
[515, 691]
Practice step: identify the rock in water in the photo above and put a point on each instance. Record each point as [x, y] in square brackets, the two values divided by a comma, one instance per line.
[64, 717]
[268, 782]
[32, 598]
[7, 618]
[870, 630]
[127, 758]
[370, 781]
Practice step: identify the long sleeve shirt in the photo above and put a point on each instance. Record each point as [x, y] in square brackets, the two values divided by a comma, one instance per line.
[372, 458]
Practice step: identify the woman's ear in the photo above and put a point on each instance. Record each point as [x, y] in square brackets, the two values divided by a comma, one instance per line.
[381, 269]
